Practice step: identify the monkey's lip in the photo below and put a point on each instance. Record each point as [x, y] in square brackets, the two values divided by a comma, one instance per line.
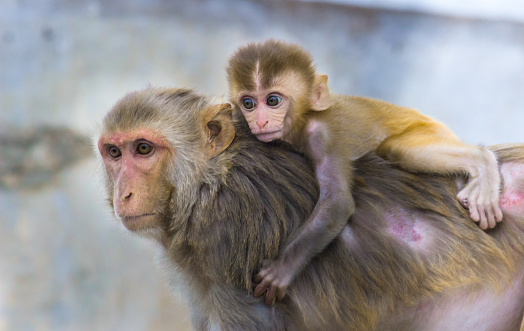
[268, 136]
[138, 222]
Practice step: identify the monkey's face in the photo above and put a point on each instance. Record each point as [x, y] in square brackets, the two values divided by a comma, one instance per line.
[269, 111]
[135, 162]
[265, 112]
[154, 145]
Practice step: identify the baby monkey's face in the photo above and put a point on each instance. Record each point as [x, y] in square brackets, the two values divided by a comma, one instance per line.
[269, 111]
[265, 111]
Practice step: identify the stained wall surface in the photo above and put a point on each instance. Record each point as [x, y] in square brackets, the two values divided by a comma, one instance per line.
[65, 263]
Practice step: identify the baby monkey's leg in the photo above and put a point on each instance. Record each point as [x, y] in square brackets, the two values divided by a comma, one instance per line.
[433, 148]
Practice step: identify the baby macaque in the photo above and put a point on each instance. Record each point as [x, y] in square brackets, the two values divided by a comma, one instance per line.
[281, 96]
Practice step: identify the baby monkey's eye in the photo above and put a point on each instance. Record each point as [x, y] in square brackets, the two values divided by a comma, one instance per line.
[144, 149]
[114, 152]
[248, 103]
[273, 100]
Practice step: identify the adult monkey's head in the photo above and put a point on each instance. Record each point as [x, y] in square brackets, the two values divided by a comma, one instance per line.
[149, 154]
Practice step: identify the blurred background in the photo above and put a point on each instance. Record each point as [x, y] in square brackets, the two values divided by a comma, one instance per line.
[65, 263]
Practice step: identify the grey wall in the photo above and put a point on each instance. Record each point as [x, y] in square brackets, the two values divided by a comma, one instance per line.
[512, 10]
[65, 264]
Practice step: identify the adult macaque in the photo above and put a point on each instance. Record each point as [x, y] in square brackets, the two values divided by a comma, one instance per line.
[183, 171]
[282, 97]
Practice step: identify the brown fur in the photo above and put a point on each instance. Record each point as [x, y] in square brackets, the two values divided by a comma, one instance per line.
[268, 62]
[228, 213]
[334, 130]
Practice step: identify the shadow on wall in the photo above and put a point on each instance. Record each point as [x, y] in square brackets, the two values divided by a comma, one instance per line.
[31, 158]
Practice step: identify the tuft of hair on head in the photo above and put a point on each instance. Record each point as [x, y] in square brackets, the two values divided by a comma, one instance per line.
[153, 107]
[266, 61]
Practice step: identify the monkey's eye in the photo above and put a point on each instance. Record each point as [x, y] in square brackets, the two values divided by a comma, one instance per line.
[144, 149]
[114, 152]
[273, 100]
[248, 103]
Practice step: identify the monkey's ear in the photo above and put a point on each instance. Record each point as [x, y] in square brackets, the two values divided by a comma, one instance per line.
[219, 128]
[320, 97]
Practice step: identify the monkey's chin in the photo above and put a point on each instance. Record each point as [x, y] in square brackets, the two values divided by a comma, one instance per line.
[270, 136]
[140, 222]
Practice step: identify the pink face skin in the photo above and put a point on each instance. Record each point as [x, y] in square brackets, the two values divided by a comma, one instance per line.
[265, 112]
[134, 161]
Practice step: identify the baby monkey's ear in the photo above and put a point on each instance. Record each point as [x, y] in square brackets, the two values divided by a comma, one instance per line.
[320, 95]
[219, 128]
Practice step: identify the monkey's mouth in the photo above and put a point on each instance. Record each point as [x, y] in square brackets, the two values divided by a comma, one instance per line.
[139, 222]
[269, 136]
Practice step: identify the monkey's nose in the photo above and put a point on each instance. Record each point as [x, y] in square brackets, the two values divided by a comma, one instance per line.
[262, 124]
[125, 198]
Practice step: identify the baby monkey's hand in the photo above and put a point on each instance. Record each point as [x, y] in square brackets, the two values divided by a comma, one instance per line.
[272, 280]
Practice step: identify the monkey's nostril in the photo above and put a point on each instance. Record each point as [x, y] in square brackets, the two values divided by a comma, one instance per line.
[128, 196]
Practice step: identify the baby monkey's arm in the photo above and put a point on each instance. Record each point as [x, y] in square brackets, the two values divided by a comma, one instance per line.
[431, 147]
[330, 215]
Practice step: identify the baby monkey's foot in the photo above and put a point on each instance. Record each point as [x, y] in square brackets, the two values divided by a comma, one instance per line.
[272, 280]
[482, 202]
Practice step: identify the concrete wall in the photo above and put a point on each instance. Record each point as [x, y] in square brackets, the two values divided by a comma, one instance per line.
[65, 264]
[510, 10]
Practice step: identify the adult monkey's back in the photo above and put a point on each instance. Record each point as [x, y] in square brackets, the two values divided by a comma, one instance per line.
[180, 170]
